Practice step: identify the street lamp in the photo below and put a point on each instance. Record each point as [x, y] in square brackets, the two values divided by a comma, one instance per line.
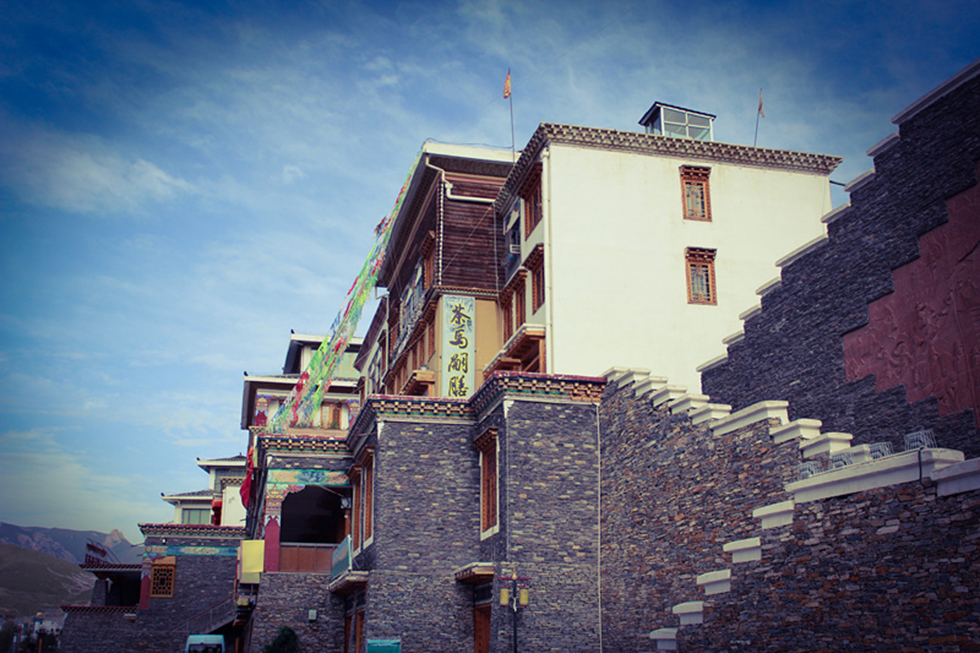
[515, 594]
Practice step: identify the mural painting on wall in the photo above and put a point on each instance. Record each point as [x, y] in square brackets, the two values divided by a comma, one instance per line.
[458, 347]
[926, 334]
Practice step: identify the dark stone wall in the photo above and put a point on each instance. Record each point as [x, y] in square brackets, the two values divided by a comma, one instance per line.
[200, 582]
[427, 510]
[426, 498]
[672, 495]
[85, 632]
[891, 569]
[549, 484]
[285, 599]
[793, 349]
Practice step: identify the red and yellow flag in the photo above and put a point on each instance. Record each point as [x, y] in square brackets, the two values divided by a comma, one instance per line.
[507, 86]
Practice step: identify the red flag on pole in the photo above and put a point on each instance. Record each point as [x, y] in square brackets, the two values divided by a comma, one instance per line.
[507, 85]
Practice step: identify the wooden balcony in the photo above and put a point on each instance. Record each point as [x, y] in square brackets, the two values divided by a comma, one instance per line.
[305, 558]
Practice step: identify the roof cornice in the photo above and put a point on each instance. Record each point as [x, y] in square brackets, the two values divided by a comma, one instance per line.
[657, 145]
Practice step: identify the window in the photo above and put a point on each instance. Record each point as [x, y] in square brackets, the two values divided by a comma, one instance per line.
[531, 196]
[355, 527]
[701, 276]
[486, 444]
[162, 577]
[505, 307]
[535, 263]
[195, 516]
[520, 303]
[694, 189]
[368, 493]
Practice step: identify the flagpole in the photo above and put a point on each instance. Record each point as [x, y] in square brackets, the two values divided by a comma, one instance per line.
[513, 143]
[758, 113]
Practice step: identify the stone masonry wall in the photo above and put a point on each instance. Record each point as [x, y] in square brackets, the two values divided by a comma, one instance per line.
[672, 495]
[891, 569]
[86, 632]
[793, 349]
[426, 498]
[549, 484]
[200, 582]
[285, 599]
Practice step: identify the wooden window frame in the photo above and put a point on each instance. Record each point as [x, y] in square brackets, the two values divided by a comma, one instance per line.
[520, 304]
[696, 177]
[535, 265]
[355, 527]
[486, 444]
[697, 258]
[163, 575]
[532, 200]
[367, 465]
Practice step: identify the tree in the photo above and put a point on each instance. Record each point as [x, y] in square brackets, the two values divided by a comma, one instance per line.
[285, 642]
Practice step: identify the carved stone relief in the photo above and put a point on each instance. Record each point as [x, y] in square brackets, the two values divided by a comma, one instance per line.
[926, 334]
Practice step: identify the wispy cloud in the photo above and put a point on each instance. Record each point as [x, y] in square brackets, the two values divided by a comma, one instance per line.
[79, 172]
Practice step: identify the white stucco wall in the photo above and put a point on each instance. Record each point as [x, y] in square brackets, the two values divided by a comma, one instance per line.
[615, 241]
[232, 510]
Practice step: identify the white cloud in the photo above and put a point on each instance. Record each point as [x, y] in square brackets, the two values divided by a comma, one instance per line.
[79, 172]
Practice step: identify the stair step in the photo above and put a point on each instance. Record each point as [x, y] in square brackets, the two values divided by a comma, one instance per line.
[716, 582]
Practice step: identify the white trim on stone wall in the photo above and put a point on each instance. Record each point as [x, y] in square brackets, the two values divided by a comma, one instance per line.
[747, 550]
[884, 144]
[837, 213]
[776, 514]
[802, 251]
[750, 415]
[961, 477]
[861, 180]
[889, 470]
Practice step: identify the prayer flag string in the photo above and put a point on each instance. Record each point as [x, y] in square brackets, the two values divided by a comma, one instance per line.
[307, 395]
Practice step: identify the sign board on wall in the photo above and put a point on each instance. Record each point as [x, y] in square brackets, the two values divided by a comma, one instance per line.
[384, 646]
[458, 346]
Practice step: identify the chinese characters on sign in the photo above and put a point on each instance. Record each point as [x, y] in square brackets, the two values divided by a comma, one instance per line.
[458, 346]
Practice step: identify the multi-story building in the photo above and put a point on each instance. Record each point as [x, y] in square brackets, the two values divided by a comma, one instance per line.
[659, 238]
[625, 246]
[220, 503]
[442, 278]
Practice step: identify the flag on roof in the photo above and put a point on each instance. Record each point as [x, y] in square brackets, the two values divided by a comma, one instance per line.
[507, 85]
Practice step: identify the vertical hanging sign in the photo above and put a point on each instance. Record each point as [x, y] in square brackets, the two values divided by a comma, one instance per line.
[458, 345]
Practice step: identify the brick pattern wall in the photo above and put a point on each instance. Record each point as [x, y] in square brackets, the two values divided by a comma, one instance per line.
[793, 349]
[94, 632]
[549, 484]
[427, 513]
[672, 496]
[285, 599]
[891, 569]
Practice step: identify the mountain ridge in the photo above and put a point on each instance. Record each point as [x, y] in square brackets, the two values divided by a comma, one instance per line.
[68, 545]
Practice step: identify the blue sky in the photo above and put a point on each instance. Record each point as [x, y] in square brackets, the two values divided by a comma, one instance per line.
[183, 183]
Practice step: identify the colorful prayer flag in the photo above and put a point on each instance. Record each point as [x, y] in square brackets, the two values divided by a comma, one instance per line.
[507, 85]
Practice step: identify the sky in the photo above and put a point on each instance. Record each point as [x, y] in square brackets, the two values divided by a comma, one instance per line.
[182, 183]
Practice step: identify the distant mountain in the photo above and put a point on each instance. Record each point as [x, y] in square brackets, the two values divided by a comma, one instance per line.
[32, 582]
[67, 544]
